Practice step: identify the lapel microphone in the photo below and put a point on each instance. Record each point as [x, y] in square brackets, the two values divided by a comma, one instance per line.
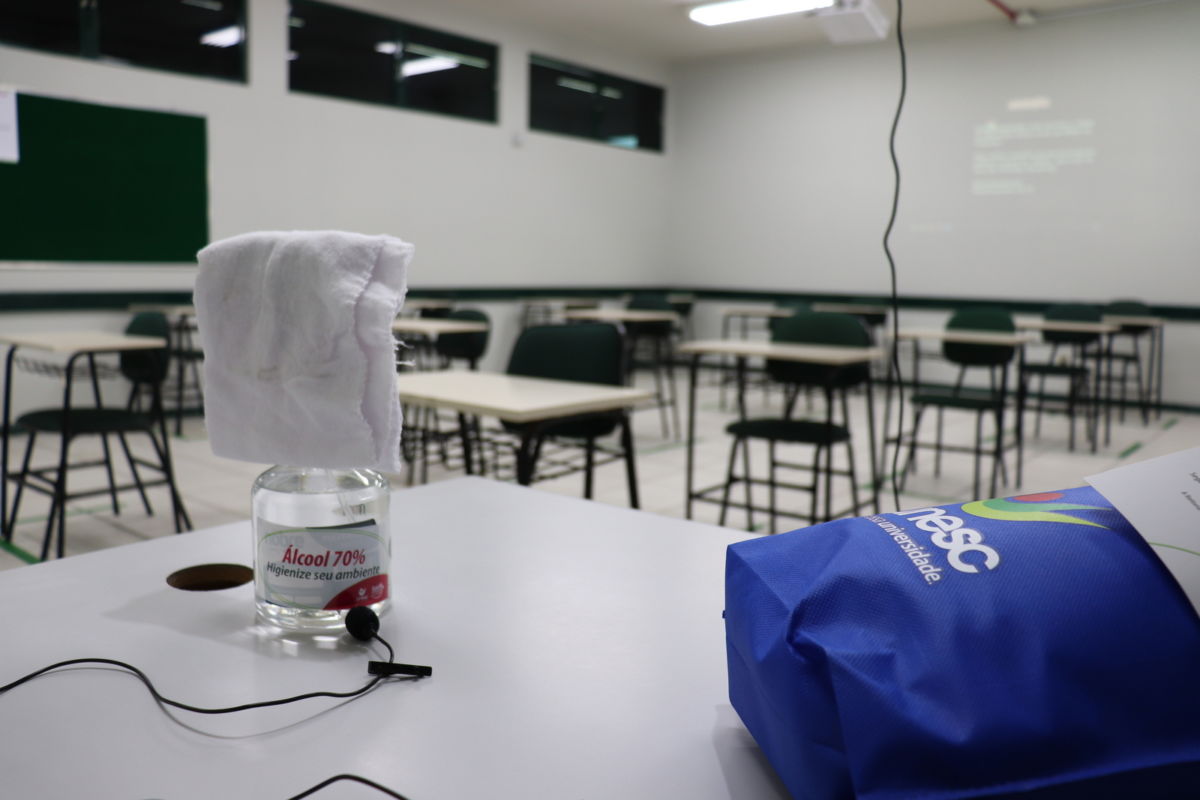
[363, 624]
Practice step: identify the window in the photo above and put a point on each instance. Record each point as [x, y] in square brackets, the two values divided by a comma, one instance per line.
[564, 98]
[198, 37]
[340, 52]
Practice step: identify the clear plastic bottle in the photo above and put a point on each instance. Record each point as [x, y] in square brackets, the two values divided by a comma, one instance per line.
[322, 545]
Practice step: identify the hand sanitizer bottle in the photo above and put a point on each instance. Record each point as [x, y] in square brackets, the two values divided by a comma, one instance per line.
[322, 545]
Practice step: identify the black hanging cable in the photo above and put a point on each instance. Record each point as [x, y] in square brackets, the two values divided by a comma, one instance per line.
[895, 346]
[355, 779]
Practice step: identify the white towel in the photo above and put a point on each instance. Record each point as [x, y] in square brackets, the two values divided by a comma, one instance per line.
[299, 357]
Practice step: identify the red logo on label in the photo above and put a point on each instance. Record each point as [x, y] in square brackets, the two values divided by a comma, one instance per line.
[365, 592]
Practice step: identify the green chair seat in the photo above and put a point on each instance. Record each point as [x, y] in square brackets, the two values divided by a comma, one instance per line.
[792, 431]
[86, 421]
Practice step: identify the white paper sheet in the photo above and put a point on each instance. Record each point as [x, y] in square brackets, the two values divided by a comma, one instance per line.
[1161, 497]
[10, 149]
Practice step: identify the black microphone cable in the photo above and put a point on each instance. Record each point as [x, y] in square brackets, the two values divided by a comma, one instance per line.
[895, 346]
[363, 627]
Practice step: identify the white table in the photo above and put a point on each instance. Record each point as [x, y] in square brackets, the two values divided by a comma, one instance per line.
[741, 349]
[531, 402]
[72, 345]
[577, 652]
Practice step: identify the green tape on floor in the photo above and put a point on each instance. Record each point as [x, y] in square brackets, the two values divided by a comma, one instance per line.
[1128, 451]
[9, 547]
[1171, 423]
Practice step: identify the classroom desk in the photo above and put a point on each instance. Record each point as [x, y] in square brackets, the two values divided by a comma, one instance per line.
[184, 351]
[731, 314]
[577, 651]
[72, 345]
[1157, 327]
[1015, 339]
[533, 403]
[1103, 330]
[871, 313]
[419, 304]
[740, 350]
[428, 329]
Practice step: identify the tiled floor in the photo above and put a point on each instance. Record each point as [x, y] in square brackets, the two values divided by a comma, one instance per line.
[217, 490]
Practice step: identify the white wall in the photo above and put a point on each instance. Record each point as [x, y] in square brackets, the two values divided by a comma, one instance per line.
[781, 178]
[485, 204]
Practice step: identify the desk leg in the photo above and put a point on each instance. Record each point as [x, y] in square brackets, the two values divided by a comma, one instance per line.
[465, 435]
[630, 468]
[872, 442]
[1019, 430]
[689, 478]
[527, 455]
[5, 530]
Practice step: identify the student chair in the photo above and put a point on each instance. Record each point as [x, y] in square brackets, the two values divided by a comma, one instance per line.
[1126, 353]
[468, 347]
[585, 352]
[822, 434]
[146, 370]
[1068, 360]
[971, 359]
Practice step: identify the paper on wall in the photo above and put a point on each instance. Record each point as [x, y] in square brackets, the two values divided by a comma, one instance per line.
[10, 150]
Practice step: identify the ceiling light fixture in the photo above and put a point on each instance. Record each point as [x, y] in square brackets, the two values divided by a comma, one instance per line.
[728, 11]
[223, 37]
[420, 66]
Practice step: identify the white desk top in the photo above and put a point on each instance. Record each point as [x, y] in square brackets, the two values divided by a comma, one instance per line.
[809, 353]
[513, 398]
[1135, 319]
[1065, 325]
[81, 341]
[434, 327]
[417, 303]
[577, 652]
[765, 312]
[622, 315]
[1014, 339]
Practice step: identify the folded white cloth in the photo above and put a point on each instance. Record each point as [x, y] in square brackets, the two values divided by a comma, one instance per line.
[299, 356]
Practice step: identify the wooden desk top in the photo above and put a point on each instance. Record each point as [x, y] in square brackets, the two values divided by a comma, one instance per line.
[64, 342]
[436, 327]
[513, 398]
[809, 353]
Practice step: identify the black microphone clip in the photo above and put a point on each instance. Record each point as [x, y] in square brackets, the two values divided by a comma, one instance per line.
[389, 668]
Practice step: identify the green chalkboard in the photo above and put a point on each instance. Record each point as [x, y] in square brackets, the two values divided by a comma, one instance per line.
[100, 183]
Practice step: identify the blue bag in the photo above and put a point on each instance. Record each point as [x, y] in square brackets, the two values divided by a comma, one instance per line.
[1025, 644]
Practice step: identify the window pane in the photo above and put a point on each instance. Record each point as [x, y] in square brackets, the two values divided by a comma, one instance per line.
[202, 37]
[448, 74]
[565, 98]
[43, 24]
[344, 53]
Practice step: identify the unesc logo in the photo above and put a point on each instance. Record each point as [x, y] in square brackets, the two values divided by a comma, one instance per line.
[958, 542]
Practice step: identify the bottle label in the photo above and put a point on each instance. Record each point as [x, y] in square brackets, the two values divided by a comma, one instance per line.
[332, 568]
